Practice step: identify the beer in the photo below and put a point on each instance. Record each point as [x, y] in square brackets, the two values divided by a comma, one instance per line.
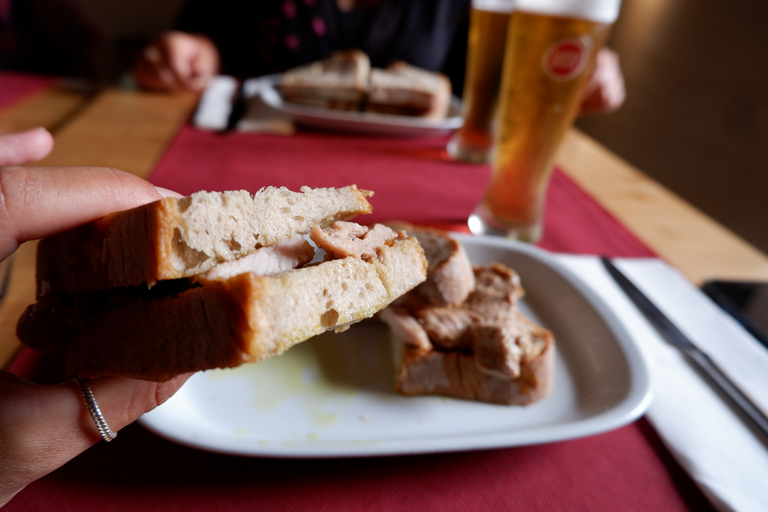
[548, 62]
[485, 54]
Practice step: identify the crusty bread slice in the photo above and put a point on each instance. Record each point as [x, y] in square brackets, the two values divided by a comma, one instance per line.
[338, 82]
[157, 334]
[403, 89]
[450, 278]
[480, 348]
[458, 374]
[174, 238]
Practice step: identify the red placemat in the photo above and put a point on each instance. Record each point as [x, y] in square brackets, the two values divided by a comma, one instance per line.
[413, 180]
[15, 87]
[616, 471]
[627, 469]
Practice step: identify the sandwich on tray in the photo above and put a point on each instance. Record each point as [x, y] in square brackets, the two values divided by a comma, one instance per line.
[339, 82]
[213, 280]
[461, 333]
[402, 89]
[346, 81]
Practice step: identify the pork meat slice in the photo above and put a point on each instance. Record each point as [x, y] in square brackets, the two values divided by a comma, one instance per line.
[495, 284]
[498, 348]
[345, 239]
[493, 302]
[457, 374]
[406, 328]
[447, 326]
[450, 278]
[284, 255]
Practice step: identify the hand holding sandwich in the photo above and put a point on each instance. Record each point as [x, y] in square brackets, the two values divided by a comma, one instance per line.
[43, 427]
[219, 279]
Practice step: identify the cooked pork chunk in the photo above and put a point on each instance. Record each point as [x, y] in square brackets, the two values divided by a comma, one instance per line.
[478, 348]
[284, 255]
[450, 278]
[344, 239]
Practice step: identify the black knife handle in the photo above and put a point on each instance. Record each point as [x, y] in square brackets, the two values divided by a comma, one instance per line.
[239, 108]
[706, 364]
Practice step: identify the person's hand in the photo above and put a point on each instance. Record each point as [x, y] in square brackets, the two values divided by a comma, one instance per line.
[605, 90]
[177, 61]
[24, 147]
[43, 427]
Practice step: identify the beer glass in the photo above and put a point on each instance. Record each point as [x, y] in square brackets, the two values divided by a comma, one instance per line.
[488, 23]
[549, 56]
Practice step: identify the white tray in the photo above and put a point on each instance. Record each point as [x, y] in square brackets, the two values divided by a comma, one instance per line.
[333, 396]
[364, 122]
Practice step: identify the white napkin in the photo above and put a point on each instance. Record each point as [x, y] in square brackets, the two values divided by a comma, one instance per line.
[216, 103]
[723, 456]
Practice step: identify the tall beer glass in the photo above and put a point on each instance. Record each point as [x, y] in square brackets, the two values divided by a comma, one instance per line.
[488, 23]
[549, 56]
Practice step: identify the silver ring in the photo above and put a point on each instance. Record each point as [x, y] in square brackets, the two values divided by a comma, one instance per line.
[90, 402]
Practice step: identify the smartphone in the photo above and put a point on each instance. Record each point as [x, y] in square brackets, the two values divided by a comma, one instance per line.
[746, 301]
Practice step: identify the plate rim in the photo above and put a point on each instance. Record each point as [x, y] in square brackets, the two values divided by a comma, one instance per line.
[361, 122]
[632, 405]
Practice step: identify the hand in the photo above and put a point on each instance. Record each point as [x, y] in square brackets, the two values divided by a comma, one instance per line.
[177, 61]
[605, 90]
[43, 427]
[25, 147]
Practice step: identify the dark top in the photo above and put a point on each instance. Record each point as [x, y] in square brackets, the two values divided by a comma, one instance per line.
[270, 36]
[52, 37]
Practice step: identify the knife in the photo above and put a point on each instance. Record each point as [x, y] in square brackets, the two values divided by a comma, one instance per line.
[675, 336]
[239, 108]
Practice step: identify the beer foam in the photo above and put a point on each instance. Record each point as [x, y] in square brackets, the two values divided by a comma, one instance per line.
[494, 5]
[603, 11]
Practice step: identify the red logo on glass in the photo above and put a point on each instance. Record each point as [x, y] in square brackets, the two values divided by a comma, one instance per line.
[565, 59]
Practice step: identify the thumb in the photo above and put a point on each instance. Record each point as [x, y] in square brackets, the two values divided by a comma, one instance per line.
[43, 427]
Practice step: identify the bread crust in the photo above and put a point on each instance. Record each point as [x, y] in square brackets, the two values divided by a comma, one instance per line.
[219, 324]
[346, 81]
[338, 82]
[408, 90]
[450, 277]
[150, 243]
[458, 374]
[477, 347]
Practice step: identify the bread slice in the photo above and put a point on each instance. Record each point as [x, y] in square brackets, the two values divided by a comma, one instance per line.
[174, 238]
[403, 89]
[481, 348]
[458, 374]
[339, 82]
[450, 278]
[183, 326]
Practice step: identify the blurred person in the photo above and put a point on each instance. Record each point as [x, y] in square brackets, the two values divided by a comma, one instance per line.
[271, 36]
[43, 427]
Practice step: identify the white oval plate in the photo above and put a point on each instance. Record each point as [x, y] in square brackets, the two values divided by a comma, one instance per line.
[364, 122]
[333, 396]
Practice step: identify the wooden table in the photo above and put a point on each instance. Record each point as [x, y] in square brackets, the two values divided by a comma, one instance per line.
[51, 109]
[684, 236]
[131, 130]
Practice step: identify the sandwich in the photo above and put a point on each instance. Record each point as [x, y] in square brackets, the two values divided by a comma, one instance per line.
[346, 81]
[403, 89]
[339, 82]
[461, 333]
[213, 280]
